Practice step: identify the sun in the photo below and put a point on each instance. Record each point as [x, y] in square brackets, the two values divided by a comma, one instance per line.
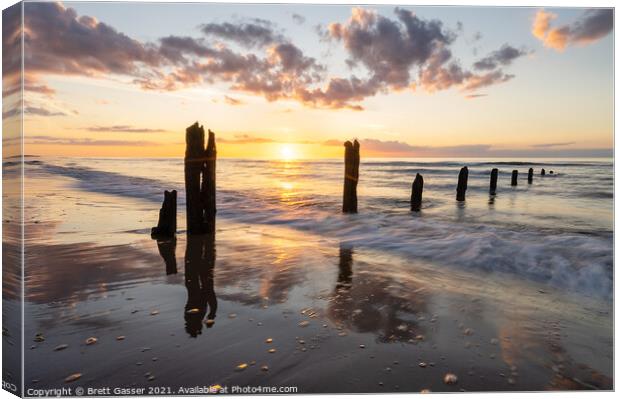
[287, 152]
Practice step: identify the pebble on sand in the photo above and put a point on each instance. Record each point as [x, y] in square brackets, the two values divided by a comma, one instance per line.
[422, 364]
[362, 346]
[269, 340]
[450, 379]
[120, 338]
[241, 367]
[232, 315]
[265, 368]
[272, 350]
[61, 347]
[91, 341]
[73, 377]
[154, 312]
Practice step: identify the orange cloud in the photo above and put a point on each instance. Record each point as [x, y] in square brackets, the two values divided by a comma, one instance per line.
[591, 26]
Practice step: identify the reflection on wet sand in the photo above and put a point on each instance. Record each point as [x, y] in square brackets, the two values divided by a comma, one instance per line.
[75, 272]
[167, 249]
[374, 302]
[199, 264]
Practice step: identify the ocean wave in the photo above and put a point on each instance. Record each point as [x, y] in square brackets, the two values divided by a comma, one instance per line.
[582, 262]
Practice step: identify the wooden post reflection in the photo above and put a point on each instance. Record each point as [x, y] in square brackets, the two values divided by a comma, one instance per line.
[201, 298]
[167, 249]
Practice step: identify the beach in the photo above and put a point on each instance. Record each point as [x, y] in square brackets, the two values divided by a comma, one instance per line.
[511, 292]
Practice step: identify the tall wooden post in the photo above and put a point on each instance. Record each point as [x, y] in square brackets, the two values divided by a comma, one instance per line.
[167, 224]
[530, 175]
[208, 178]
[461, 187]
[199, 180]
[542, 172]
[515, 175]
[493, 185]
[416, 192]
[351, 176]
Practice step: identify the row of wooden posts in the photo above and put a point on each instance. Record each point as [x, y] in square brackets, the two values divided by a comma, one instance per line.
[461, 186]
[351, 175]
[200, 186]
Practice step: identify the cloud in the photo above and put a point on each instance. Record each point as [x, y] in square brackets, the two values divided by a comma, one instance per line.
[232, 101]
[59, 41]
[121, 129]
[40, 111]
[391, 50]
[475, 82]
[392, 54]
[548, 145]
[258, 32]
[472, 96]
[54, 140]
[174, 48]
[399, 148]
[244, 139]
[299, 19]
[374, 147]
[591, 26]
[275, 75]
[249, 139]
[502, 57]
[31, 110]
[339, 93]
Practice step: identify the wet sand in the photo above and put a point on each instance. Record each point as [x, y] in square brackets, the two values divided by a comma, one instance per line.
[340, 318]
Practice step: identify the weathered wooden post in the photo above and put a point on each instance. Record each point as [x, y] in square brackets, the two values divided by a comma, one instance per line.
[351, 176]
[461, 186]
[493, 185]
[199, 180]
[530, 175]
[416, 192]
[194, 159]
[208, 178]
[167, 224]
[542, 172]
[515, 175]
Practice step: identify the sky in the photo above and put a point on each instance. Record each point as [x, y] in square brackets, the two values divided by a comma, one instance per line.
[296, 81]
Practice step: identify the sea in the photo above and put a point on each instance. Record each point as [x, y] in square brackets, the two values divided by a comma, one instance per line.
[558, 229]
